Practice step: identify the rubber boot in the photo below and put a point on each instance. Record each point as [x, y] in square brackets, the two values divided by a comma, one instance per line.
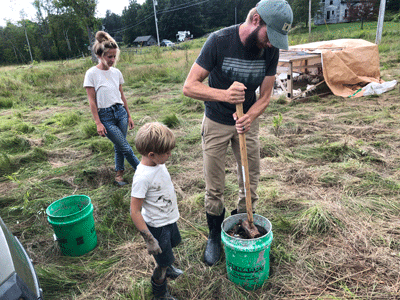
[119, 180]
[160, 291]
[212, 254]
[173, 272]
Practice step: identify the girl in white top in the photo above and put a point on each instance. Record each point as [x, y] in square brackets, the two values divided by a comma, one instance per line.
[108, 104]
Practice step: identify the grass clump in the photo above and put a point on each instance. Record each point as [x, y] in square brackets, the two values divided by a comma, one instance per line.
[6, 102]
[14, 144]
[88, 130]
[315, 220]
[171, 121]
[5, 164]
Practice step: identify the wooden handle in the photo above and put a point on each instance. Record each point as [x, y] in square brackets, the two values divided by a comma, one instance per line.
[245, 167]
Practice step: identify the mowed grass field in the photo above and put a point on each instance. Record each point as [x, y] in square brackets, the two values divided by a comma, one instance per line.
[330, 180]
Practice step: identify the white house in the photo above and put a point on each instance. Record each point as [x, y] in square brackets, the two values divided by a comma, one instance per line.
[332, 11]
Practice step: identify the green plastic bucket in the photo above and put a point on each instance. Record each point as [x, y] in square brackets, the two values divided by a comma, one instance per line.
[73, 223]
[247, 260]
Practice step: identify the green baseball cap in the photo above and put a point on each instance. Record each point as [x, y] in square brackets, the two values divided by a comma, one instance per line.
[278, 16]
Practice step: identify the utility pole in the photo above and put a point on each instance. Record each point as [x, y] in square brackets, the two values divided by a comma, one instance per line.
[380, 22]
[155, 18]
[309, 18]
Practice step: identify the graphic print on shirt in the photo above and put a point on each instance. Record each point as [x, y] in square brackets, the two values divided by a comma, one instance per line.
[166, 203]
[249, 72]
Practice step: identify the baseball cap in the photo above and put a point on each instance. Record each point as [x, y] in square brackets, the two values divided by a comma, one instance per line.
[278, 16]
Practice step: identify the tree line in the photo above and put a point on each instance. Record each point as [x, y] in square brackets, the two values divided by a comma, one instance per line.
[65, 28]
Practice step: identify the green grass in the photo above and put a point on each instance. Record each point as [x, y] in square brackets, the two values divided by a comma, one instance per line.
[329, 180]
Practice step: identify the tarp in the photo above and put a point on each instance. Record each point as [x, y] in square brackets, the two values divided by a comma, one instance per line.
[347, 64]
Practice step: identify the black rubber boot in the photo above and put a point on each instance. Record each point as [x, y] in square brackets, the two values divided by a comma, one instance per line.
[160, 291]
[212, 254]
[173, 272]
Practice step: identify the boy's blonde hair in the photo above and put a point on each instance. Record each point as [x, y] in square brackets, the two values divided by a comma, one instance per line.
[154, 137]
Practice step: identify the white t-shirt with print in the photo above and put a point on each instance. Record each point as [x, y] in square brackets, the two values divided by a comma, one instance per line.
[106, 85]
[154, 185]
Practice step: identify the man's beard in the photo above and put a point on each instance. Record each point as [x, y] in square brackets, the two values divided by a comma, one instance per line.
[251, 41]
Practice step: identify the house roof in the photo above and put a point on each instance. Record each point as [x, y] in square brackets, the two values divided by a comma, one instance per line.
[144, 38]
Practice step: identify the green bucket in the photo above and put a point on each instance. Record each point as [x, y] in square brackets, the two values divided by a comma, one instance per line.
[73, 224]
[247, 260]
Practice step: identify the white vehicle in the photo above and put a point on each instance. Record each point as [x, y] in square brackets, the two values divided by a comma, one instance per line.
[182, 36]
[167, 43]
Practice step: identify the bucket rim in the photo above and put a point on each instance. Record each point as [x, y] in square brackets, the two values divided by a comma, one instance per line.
[85, 215]
[268, 233]
[50, 215]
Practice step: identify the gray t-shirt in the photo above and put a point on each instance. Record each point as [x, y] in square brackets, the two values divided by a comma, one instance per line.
[224, 56]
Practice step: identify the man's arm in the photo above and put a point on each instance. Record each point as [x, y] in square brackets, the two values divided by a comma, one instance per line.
[195, 88]
[258, 107]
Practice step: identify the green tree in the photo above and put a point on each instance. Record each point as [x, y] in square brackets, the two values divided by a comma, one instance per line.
[85, 10]
[131, 21]
[300, 10]
[112, 23]
[179, 15]
[393, 6]
[60, 30]
[16, 41]
[365, 10]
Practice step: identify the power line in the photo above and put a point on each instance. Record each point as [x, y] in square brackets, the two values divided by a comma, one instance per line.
[178, 8]
[171, 9]
[132, 26]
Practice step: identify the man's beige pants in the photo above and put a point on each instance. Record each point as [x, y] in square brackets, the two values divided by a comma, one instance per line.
[215, 141]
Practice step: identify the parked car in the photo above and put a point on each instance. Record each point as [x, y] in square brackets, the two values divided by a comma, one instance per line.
[167, 43]
[18, 279]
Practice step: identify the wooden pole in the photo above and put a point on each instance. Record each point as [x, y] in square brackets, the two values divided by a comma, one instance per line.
[245, 167]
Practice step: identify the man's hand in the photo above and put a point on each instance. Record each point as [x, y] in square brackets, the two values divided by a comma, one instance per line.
[243, 124]
[152, 244]
[236, 93]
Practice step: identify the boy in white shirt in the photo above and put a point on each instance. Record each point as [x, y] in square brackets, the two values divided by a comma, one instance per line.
[154, 208]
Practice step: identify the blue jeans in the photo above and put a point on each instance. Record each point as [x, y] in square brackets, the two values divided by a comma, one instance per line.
[115, 120]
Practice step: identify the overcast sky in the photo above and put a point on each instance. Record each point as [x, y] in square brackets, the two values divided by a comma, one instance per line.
[10, 9]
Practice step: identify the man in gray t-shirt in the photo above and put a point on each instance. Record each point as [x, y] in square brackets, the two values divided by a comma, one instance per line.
[237, 60]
